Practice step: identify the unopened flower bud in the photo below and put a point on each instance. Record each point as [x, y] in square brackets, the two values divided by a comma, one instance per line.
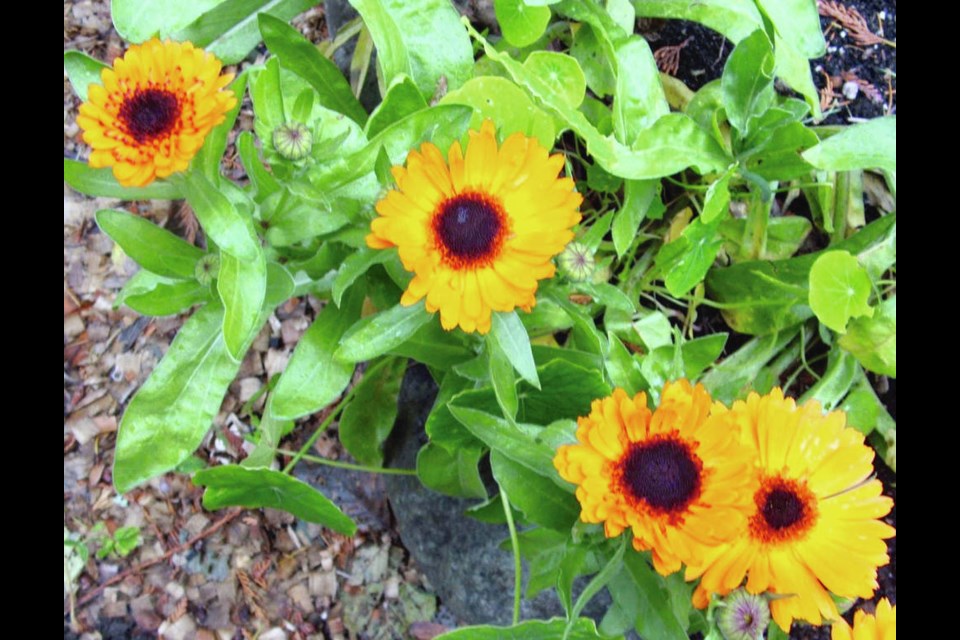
[207, 269]
[743, 616]
[577, 262]
[293, 140]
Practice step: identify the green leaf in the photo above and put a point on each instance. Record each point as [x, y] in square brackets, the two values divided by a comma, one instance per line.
[502, 101]
[422, 39]
[368, 419]
[840, 376]
[868, 145]
[516, 441]
[215, 144]
[696, 355]
[839, 289]
[355, 266]
[655, 330]
[686, 260]
[581, 629]
[747, 80]
[522, 25]
[299, 55]
[101, 183]
[82, 71]
[303, 220]
[798, 23]
[220, 219]
[138, 22]
[314, 377]
[153, 248]
[671, 144]
[762, 297]
[639, 100]
[509, 334]
[165, 298]
[435, 347]
[502, 378]
[402, 99]
[171, 413]
[378, 334]
[451, 473]
[230, 30]
[562, 72]
[716, 204]
[873, 341]
[441, 427]
[242, 285]
[597, 68]
[600, 580]
[638, 197]
[540, 500]
[642, 594]
[785, 235]
[233, 485]
[280, 284]
[262, 180]
[736, 375]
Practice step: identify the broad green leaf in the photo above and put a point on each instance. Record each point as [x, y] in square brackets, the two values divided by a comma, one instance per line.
[670, 145]
[697, 354]
[219, 218]
[368, 419]
[302, 220]
[261, 179]
[873, 341]
[230, 30]
[435, 347]
[314, 377]
[378, 334]
[608, 295]
[233, 485]
[501, 376]
[762, 297]
[211, 153]
[839, 289]
[167, 298]
[540, 500]
[599, 581]
[441, 427]
[299, 55]
[778, 157]
[516, 441]
[735, 376]
[582, 629]
[785, 235]
[686, 260]
[638, 196]
[136, 21]
[585, 334]
[242, 285]
[643, 595]
[101, 183]
[82, 71]
[623, 368]
[511, 337]
[451, 473]
[171, 413]
[153, 248]
[622, 12]
[716, 204]
[355, 266]
[589, 52]
[422, 39]
[280, 284]
[798, 23]
[747, 80]
[440, 124]
[402, 99]
[868, 145]
[521, 24]
[507, 105]
[655, 330]
[560, 71]
[544, 550]
[639, 100]
[840, 376]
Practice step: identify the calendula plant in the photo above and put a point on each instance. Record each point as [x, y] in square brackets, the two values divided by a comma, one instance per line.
[542, 219]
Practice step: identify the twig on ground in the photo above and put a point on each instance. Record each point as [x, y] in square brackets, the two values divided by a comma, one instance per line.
[854, 23]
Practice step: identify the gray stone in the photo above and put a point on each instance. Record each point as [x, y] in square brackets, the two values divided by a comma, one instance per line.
[460, 556]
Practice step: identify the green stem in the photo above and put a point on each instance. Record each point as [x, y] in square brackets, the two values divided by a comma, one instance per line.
[326, 422]
[515, 544]
[347, 465]
[758, 217]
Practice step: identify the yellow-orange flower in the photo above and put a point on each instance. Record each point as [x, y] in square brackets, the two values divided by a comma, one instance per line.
[480, 231]
[882, 626]
[154, 109]
[814, 526]
[673, 476]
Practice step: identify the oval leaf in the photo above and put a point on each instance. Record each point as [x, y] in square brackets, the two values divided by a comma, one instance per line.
[153, 248]
[868, 145]
[242, 285]
[508, 332]
[378, 334]
[521, 24]
[839, 289]
[101, 183]
[232, 485]
[82, 71]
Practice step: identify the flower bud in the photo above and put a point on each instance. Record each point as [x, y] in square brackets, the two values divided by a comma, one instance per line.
[293, 140]
[743, 616]
[577, 262]
[207, 269]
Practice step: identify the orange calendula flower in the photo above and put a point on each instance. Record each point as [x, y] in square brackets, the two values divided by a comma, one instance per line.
[154, 109]
[673, 476]
[882, 626]
[815, 523]
[480, 231]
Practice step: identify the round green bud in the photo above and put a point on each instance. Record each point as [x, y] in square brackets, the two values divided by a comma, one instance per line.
[207, 269]
[293, 140]
[743, 616]
[577, 262]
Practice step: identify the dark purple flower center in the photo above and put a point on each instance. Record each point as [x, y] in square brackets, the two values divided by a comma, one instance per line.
[664, 473]
[782, 508]
[469, 228]
[150, 113]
